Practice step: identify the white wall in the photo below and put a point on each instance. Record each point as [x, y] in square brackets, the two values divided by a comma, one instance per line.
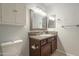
[12, 33]
[68, 37]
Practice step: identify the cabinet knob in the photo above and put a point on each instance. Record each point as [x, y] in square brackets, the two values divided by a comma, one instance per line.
[15, 10]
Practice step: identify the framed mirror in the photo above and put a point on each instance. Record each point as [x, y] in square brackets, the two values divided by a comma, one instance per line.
[52, 22]
[37, 21]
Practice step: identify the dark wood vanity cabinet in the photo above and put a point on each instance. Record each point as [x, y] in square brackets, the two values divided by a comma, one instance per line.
[54, 45]
[46, 50]
[43, 47]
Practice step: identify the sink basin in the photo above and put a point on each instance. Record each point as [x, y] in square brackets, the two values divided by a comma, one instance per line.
[46, 35]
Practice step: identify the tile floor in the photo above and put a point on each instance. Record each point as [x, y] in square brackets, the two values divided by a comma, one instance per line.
[57, 53]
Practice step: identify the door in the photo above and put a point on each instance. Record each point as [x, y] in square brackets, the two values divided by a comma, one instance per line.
[20, 14]
[8, 14]
[46, 50]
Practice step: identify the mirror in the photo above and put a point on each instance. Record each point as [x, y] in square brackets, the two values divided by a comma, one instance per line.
[52, 22]
[38, 21]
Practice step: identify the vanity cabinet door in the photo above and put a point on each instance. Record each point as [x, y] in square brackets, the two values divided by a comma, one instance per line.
[46, 50]
[54, 45]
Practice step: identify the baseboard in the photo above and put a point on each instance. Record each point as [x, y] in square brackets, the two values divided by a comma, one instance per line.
[68, 54]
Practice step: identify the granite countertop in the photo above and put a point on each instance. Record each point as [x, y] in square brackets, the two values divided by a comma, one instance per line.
[43, 36]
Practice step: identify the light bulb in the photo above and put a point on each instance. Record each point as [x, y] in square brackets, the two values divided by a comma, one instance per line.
[51, 18]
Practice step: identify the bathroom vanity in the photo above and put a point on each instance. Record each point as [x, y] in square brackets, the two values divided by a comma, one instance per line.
[42, 45]
[41, 41]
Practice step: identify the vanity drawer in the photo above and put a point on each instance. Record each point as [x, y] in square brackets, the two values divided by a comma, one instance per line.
[51, 39]
[43, 42]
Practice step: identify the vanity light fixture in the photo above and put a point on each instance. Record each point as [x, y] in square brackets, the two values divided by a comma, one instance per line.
[38, 10]
[51, 18]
